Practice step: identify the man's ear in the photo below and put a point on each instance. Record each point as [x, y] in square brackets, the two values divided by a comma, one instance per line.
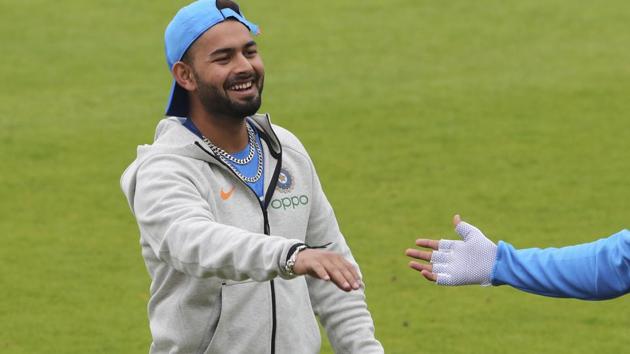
[183, 74]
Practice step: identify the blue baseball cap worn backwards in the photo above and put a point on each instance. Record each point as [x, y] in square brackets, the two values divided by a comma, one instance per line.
[190, 23]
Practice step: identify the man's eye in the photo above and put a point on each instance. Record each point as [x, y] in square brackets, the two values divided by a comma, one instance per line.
[251, 52]
[221, 60]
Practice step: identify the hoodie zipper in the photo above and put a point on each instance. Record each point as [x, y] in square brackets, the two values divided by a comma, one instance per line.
[267, 230]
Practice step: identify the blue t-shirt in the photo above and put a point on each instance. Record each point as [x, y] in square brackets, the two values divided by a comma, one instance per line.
[247, 170]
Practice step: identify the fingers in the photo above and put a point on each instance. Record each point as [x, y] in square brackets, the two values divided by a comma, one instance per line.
[342, 273]
[355, 273]
[418, 254]
[320, 272]
[327, 266]
[456, 219]
[421, 266]
[349, 273]
[341, 277]
[433, 244]
[425, 269]
[466, 231]
[439, 254]
[462, 228]
[429, 276]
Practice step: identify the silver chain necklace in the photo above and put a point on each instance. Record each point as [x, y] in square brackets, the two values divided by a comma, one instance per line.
[227, 158]
[250, 143]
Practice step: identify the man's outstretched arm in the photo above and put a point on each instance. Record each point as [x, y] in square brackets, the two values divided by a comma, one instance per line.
[178, 225]
[593, 271]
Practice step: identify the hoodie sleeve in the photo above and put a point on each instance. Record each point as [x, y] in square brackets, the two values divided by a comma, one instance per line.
[592, 271]
[177, 223]
[344, 315]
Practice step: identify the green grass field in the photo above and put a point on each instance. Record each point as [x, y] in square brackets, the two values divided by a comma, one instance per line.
[512, 113]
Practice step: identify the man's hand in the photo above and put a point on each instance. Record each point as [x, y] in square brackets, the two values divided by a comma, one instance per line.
[327, 265]
[465, 262]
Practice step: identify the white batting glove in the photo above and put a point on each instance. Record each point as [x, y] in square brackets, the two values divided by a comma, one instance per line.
[465, 262]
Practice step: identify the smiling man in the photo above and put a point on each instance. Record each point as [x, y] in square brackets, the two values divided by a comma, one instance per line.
[241, 244]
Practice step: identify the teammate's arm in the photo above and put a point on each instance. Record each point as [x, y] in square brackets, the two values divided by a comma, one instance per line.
[592, 271]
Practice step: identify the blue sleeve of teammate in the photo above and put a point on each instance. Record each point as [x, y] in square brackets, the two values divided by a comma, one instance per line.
[592, 271]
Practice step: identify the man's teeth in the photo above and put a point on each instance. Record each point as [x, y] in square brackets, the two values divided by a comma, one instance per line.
[241, 87]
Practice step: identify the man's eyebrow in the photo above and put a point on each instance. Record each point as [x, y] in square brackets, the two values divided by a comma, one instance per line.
[230, 50]
[221, 51]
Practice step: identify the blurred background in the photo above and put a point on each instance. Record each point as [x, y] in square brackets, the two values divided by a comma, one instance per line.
[512, 113]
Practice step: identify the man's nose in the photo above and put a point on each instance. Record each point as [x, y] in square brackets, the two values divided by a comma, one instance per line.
[242, 64]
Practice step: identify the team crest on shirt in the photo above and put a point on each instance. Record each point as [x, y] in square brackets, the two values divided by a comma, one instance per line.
[285, 181]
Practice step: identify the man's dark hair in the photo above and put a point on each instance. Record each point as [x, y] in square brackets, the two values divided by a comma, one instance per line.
[221, 4]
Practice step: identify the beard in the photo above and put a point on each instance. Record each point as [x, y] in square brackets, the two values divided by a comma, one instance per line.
[217, 102]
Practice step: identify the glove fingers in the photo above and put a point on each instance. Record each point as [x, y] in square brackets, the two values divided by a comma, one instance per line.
[444, 279]
[466, 231]
[439, 257]
[439, 268]
[445, 245]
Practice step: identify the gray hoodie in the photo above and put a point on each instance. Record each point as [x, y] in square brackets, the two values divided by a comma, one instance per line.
[215, 253]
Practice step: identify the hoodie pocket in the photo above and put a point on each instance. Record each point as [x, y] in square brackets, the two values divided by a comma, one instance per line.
[245, 321]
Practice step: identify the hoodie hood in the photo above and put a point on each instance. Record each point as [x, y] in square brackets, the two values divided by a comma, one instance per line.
[173, 138]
